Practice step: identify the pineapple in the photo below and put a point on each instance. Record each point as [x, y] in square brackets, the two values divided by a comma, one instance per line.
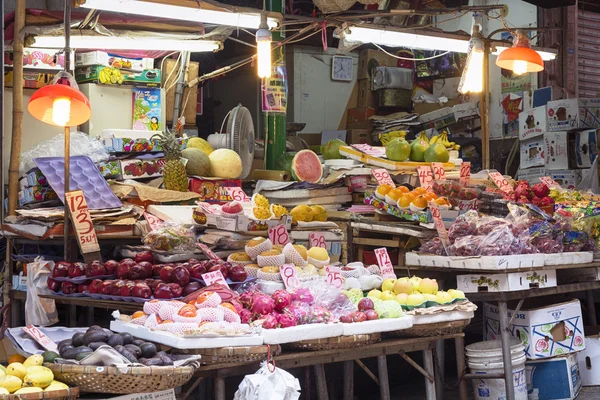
[174, 173]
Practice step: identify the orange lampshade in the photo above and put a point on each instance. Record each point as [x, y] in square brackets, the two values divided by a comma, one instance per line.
[520, 58]
[43, 102]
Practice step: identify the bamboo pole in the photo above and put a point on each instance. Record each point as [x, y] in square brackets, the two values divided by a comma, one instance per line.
[17, 124]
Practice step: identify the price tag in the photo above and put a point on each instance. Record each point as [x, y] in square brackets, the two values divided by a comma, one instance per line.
[465, 173]
[41, 338]
[82, 222]
[467, 205]
[438, 221]
[334, 276]
[551, 183]
[237, 194]
[288, 274]
[317, 239]
[370, 150]
[385, 264]
[214, 277]
[425, 177]
[501, 182]
[438, 171]
[154, 222]
[383, 177]
[208, 252]
[279, 235]
[206, 207]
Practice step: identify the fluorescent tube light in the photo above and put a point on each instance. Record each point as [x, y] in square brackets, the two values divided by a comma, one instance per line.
[151, 9]
[126, 43]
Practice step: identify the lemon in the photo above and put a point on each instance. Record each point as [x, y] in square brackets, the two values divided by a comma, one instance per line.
[16, 369]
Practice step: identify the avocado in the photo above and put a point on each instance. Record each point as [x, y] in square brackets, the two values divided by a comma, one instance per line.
[94, 345]
[95, 336]
[63, 349]
[129, 355]
[95, 328]
[119, 348]
[69, 354]
[138, 342]
[108, 332]
[166, 360]
[154, 362]
[115, 340]
[77, 339]
[127, 338]
[136, 351]
[66, 342]
[148, 350]
[82, 355]
[50, 356]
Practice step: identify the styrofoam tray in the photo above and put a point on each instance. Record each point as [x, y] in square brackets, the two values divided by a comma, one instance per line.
[474, 263]
[301, 332]
[445, 316]
[177, 342]
[379, 325]
[304, 193]
[580, 257]
[327, 200]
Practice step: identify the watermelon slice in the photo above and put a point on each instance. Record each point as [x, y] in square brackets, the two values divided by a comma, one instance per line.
[306, 167]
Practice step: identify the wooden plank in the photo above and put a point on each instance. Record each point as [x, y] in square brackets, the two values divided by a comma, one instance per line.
[416, 366]
[96, 303]
[321, 380]
[507, 296]
[367, 371]
[348, 380]
[384, 385]
[376, 242]
[190, 108]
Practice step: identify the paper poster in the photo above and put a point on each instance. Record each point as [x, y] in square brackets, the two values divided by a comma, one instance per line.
[146, 109]
[274, 91]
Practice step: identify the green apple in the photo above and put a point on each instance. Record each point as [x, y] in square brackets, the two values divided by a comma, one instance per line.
[456, 294]
[415, 281]
[443, 297]
[403, 286]
[430, 297]
[415, 299]
[401, 298]
[388, 284]
[375, 293]
[428, 286]
[388, 295]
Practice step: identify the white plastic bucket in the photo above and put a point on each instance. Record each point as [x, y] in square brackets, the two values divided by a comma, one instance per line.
[486, 358]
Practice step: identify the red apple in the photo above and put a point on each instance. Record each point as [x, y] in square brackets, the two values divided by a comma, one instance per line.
[105, 287]
[141, 290]
[176, 289]
[69, 287]
[95, 286]
[365, 304]
[371, 315]
[193, 261]
[191, 288]
[197, 270]
[220, 267]
[347, 319]
[165, 273]
[127, 261]
[54, 285]
[153, 282]
[163, 291]
[96, 268]
[156, 269]
[115, 289]
[144, 256]
[137, 272]
[124, 270]
[180, 276]
[185, 265]
[77, 269]
[237, 273]
[148, 267]
[126, 289]
[83, 287]
[111, 267]
[359, 317]
[61, 269]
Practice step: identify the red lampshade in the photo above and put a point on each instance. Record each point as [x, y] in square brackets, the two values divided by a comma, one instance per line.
[521, 57]
[41, 104]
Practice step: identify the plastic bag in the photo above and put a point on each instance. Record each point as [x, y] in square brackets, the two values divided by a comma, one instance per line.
[170, 236]
[39, 311]
[466, 246]
[463, 225]
[589, 180]
[268, 383]
[435, 246]
[497, 243]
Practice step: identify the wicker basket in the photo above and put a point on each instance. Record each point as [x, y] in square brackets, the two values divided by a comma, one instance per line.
[340, 342]
[95, 379]
[437, 329]
[67, 394]
[238, 354]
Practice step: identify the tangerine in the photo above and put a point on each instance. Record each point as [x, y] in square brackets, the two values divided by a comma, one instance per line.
[394, 194]
[203, 297]
[442, 201]
[403, 189]
[420, 190]
[405, 200]
[383, 189]
[420, 202]
[430, 196]
[16, 358]
[138, 314]
[187, 311]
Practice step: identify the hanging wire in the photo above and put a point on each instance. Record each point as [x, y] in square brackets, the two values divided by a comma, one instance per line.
[410, 59]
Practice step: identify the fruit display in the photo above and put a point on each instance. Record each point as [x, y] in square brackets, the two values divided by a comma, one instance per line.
[306, 213]
[198, 163]
[199, 143]
[415, 200]
[331, 150]
[29, 376]
[174, 171]
[170, 236]
[397, 149]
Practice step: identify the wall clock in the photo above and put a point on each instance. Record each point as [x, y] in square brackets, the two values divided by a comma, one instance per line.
[341, 68]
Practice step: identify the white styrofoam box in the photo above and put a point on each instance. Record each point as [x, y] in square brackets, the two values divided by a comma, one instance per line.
[161, 395]
[301, 332]
[567, 114]
[179, 214]
[583, 148]
[555, 378]
[567, 178]
[532, 175]
[445, 316]
[589, 360]
[532, 152]
[333, 241]
[506, 282]
[579, 257]
[378, 325]
[485, 262]
[576, 275]
[533, 123]
[465, 110]
[538, 324]
[178, 342]
[110, 60]
[556, 150]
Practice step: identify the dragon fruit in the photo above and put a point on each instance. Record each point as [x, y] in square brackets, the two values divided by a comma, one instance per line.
[245, 315]
[282, 299]
[297, 312]
[302, 295]
[547, 201]
[540, 190]
[537, 201]
[286, 320]
[270, 322]
[262, 304]
[237, 305]
[246, 299]
[523, 191]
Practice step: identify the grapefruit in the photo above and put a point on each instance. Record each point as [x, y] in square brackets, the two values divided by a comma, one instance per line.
[331, 150]
[437, 152]
[418, 147]
[306, 167]
[397, 150]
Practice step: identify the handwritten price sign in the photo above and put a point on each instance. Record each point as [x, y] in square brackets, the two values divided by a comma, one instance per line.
[551, 183]
[317, 239]
[82, 221]
[383, 177]
[41, 338]
[214, 277]
[467, 205]
[438, 221]
[334, 276]
[465, 173]
[385, 264]
[208, 252]
[279, 235]
[501, 182]
[370, 150]
[154, 222]
[288, 274]
[425, 177]
[237, 194]
[438, 171]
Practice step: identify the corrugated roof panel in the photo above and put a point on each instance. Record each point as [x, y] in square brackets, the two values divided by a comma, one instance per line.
[588, 57]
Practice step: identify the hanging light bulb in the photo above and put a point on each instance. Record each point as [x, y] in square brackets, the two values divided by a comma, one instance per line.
[520, 58]
[263, 48]
[61, 111]
[60, 104]
[472, 76]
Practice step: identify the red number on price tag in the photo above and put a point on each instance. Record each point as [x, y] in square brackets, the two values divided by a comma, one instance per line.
[317, 239]
[214, 277]
[382, 177]
[438, 221]
[237, 194]
[334, 276]
[385, 264]
[501, 182]
[438, 171]
[465, 173]
[425, 177]
[82, 221]
[154, 222]
[41, 338]
[467, 205]
[208, 252]
[288, 274]
[207, 208]
[279, 235]
[551, 183]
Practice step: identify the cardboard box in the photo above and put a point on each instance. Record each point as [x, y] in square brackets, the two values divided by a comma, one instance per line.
[424, 108]
[111, 60]
[438, 119]
[41, 59]
[465, 110]
[110, 169]
[546, 329]
[369, 59]
[554, 379]
[567, 114]
[36, 194]
[359, 114]
[138, 168]
[241, 223]
[532, 152]
[114, 76]
[506, 282]
[333, 242]
[359, 136]
[582, 148]
[136, 144]
[32, 178]
[533, 123]
[567, 178]
[31, 79]
[589, 359]
[213, 190]
[557, 154]
[366, 96]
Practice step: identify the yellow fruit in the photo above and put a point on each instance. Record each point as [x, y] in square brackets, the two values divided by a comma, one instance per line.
[382, 190]
[10, 383]
[56, 385]
[261, 213]
[318, 253]
[201, 144]
[33, 360]
[395, 194]
[319, 213]
[16, 358]
[3, 369]
[260, 201]
[405, 200]
[29, 390]
[4, 391]
[420, 202]
[279, 210]
[301, 213]
[38, 377]
[2, 373]
[16, 369]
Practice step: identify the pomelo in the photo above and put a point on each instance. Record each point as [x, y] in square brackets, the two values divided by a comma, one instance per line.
[397, 150]
[437, 152]
[331, 150]
[418, 147]
[306, 167]
[198, 163]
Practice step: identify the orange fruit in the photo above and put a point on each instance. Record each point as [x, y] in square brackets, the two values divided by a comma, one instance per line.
[420, 190]
[203, 296]
[405, 200]
[403, 189]
[382, 190]
[442, 201]
[420, 202]
[16, 358]
[166, 321]
[187, 311]
[430, 196]
[229, 306]
[394, 194]
[138, 314]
